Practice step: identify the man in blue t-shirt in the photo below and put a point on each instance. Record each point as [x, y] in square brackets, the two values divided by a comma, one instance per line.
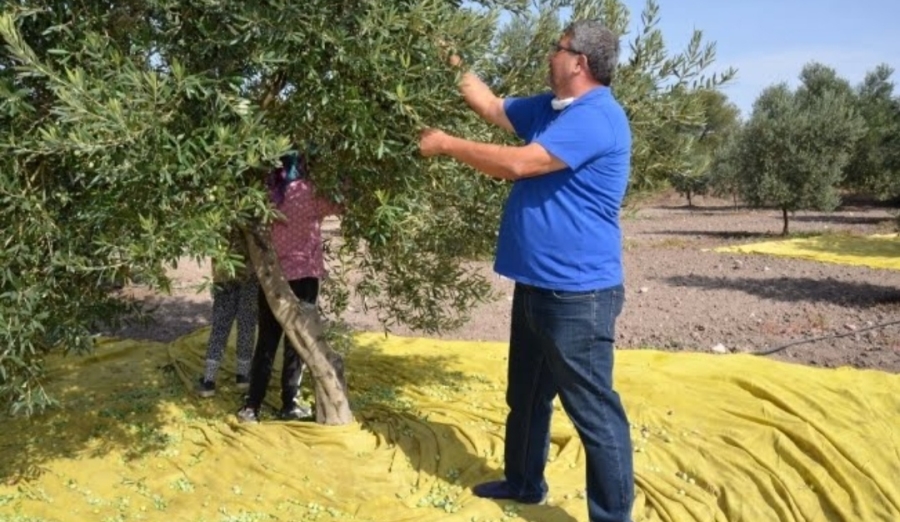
[561, 243]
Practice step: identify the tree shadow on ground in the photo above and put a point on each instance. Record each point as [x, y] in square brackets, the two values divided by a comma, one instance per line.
[863, 201]
[711, 209]
[838, 215]
[439, 449]
[841, 219]
[112, 400]
[471, 471]
[735, 235]
[130, 400]
[795, 290]
[164, 319]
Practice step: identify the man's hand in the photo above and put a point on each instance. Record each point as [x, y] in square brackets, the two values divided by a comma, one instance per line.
[431, 142]
[447, 51]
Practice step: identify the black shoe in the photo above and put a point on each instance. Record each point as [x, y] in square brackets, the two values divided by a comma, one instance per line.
[205, 389]
[242, 382]
[248, 415]
[500, 490]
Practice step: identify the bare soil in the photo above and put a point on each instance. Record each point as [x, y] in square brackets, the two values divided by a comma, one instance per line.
[681, 295]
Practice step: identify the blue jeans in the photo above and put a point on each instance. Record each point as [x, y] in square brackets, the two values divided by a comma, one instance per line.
[562, 343]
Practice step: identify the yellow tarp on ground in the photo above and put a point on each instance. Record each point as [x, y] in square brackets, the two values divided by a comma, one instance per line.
[876, 251]
[717, 438]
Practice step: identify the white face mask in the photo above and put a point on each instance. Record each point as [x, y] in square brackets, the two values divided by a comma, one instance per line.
[559, 105]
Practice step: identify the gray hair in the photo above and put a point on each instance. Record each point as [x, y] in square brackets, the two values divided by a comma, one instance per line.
[598, 44]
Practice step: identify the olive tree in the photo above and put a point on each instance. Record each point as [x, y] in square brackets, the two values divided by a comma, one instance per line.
[873, 168]
[135, 133]
[792, 152]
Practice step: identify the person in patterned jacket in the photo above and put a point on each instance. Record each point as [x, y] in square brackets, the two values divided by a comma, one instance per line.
[297, 240]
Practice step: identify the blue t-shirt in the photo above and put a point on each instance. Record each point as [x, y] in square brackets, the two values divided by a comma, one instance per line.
[560, 231]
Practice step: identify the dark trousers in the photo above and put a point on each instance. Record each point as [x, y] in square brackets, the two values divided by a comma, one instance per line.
[268, 337]
[562, 343]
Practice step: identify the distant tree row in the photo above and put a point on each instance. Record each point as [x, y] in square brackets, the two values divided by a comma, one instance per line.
[802, 149]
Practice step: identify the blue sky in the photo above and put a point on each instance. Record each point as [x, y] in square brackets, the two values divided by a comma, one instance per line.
[769, 41]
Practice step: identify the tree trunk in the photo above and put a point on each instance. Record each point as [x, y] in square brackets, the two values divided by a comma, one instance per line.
[784, 214]
[303, 326]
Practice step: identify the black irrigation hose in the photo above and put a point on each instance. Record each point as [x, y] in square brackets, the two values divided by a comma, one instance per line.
[824, 338]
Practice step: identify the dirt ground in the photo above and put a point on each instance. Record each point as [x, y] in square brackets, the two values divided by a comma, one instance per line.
[681, 295]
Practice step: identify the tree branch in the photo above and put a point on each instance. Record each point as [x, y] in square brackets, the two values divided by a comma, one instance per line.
[276, 85]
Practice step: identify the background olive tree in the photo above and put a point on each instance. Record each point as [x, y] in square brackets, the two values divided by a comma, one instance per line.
[792, 152]
[136, 133]
[720, 122]
[873, 168]
[664, 92]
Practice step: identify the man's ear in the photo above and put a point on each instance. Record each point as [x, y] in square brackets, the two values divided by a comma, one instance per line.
[583, 62]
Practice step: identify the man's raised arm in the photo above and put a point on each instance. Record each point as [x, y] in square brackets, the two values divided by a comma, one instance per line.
[481, 99]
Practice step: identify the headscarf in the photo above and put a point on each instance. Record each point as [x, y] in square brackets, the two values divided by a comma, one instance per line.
[294, 166]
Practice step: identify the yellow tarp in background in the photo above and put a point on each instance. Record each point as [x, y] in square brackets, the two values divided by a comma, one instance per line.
[876, 251]
[717, 438]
